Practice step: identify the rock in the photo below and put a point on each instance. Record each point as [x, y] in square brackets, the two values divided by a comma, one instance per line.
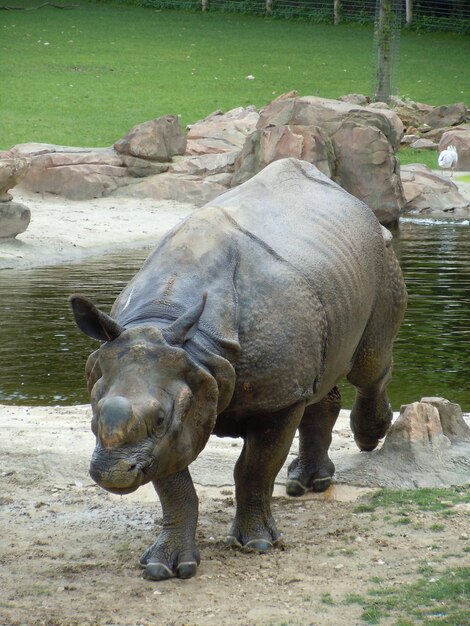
[378, 105]
[270, 144]
[333, 135]
[453, 425]
[14, 219]
[424, 144]
[355, 98]
[329, 115]
[367, 168]
[460, 138]
[427, 191]
[12, 171]
[221, 132]
[179, 187]
[408, 115]
[409, 139]
[81, 173]
[446, 115]
[156, 140]
[288, 94]
[417, 430]
[434, 134]
[205, 164]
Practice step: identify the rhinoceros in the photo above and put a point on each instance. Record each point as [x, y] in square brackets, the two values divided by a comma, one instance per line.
[240, 323]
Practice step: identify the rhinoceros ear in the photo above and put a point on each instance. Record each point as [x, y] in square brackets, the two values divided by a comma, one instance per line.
[92, 321]
[185, 326]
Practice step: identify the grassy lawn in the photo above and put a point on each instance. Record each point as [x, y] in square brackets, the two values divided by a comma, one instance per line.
[86, 75]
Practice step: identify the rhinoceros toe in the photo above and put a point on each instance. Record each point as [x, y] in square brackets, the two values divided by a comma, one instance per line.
[157, 571]
[301, 479]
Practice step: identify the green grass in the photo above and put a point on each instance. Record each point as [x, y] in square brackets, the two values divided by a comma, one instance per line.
[86, 75]
[411, 155]
[426, 499]
[442, 600]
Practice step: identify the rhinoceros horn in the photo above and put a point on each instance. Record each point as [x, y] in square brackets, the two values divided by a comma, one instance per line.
[185, 326]
[92, 321]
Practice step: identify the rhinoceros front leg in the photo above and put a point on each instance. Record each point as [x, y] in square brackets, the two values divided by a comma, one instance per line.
[174, 553]
[267, 443]
[313, 469]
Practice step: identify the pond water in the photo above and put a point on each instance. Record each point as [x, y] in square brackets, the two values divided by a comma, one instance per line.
[42, 354]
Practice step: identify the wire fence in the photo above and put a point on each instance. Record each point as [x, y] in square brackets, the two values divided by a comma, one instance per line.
[427, 15]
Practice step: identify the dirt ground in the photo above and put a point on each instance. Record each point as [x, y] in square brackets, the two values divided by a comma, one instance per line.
[69, 550]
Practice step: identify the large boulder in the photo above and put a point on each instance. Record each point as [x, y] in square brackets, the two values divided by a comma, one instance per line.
[329, 115]
[205, 164]
[263, 146]
[221, 132]
[12, 171]
[14, 219]
[352, 144]
[155, 140]
[426, 191]
[366, 166]
[446, 115]
[417, 432]
[452, 422]
[179, 187]
[81, 173]
[460, 138]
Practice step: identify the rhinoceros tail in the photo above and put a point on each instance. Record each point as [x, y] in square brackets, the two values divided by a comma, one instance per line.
[93, 322]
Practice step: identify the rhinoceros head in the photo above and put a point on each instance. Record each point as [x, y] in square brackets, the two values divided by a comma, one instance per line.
[153, 407]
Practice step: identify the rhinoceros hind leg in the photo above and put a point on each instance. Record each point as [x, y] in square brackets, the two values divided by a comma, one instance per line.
[371, 414]
[174, 553]
[267, 442]
[313, 469]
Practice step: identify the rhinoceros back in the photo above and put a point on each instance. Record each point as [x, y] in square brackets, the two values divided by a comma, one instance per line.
[292, 264]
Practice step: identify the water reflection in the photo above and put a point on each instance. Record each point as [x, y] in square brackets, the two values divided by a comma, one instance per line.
[43, 354]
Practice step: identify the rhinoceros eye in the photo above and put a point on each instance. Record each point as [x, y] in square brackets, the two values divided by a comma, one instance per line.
[159, 422]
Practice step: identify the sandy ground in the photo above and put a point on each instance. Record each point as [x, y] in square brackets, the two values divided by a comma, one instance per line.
[62, 230]
[69, 551]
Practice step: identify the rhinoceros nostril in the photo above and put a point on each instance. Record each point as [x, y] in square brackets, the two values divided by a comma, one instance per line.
[132, 468]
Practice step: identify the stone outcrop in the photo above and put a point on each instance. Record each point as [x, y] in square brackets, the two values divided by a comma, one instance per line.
[446, 115]
[221, 132]
[353, 145]
[427, 191]
[82, 173]
[265, 145]
[451, 417]
[14, 219]
[350, 140]
[416, 429]
[12, 171]
[156, 140]
[460, 138]
[428, 445]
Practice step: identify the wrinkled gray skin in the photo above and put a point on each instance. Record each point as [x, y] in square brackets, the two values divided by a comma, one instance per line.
[240, 323]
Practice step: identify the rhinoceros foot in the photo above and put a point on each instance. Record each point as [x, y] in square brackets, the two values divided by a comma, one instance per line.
[161, 562]
[256, 535]
[302, 479]
[370, 422]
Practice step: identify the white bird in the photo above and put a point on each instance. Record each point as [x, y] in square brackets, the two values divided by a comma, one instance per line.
[448, 159]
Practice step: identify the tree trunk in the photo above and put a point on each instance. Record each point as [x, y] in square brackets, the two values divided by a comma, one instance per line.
[409, 12]
[204, 5]
[337, 11]
[269, 7]
[384, 30]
